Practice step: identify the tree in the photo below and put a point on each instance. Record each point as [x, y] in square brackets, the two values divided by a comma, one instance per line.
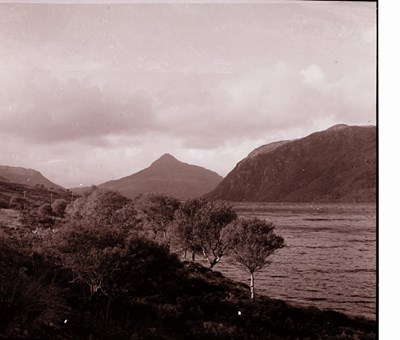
[110, 262]
[92, 254]
[183, 230]
[198, 225]
[211, 218]
[250, 243]
[98, 208]
[101, 205]
[158, 212]
[127, 218]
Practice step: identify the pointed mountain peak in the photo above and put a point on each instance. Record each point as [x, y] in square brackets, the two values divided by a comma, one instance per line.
[166, 159]
[167, 156]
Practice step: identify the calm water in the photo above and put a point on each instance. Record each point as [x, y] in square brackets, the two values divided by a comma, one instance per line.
[329, 260]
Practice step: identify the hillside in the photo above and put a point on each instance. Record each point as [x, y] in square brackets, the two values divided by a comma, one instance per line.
[33, 196]
[25, 176]
[168, 176]
[161, 297]
[335, 165]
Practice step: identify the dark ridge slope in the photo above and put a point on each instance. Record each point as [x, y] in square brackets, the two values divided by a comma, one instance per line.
[335, 165]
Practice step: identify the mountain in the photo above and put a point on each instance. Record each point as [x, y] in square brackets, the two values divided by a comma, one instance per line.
[168, 176]
[335, 165]
[16, 182]
[25, 176]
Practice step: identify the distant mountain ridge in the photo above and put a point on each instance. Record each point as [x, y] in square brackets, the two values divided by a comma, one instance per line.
[167, 175]
[25, 176]
[335, 165]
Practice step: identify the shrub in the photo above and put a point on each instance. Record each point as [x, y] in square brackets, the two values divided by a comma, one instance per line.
[45, 210]
[4, 204]
[29, 299]
[19, 203]
[75, 208]
[59, 206]
[110, 262]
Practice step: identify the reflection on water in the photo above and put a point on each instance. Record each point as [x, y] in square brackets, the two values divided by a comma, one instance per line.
[329, 260]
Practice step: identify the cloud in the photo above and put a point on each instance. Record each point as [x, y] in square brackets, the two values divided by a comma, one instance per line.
[85, 88]
[254, 105]
[47, 110]
[312, 75]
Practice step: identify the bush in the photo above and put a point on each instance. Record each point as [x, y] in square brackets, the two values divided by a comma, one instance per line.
[29, 303]
[59, 206]
[19, 203]
[29, 299]
[45, 210]
[110, 262]
[75, 208]
[4, 204]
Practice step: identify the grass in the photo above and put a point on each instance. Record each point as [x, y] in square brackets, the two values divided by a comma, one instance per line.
[162, 298]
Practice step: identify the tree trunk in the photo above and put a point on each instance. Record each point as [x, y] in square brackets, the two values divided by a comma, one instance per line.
[205, 254]
[193, 256]
[252, 285]
[214, 262]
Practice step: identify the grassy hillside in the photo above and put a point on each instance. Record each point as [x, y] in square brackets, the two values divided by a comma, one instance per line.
[152, 295]
[34, 196]
[26, 176]
[190, 301]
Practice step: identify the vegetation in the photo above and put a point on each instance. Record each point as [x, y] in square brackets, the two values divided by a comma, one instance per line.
[45, 210]
[197, 227]
[250, 244]
[97, 273]
[99, 207]
[158, 212]
[59, 206]
[212, 218]
[184, 228]
[19, 203]
[35, 196]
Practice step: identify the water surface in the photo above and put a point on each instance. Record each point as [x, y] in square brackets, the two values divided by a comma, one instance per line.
[329, 260]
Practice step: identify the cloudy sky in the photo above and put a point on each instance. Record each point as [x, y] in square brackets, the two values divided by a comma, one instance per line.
[93, 92]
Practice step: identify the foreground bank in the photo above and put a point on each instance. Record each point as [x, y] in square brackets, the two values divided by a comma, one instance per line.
[161, 298]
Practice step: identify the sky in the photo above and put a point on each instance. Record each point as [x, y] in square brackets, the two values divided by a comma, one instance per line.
[94, 92]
